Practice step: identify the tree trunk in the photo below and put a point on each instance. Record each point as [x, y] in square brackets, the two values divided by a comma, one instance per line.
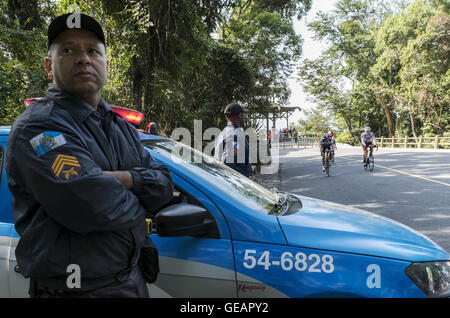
[390, 122]
[413, 127]
[383, 98]
[137, 80]
[349, 125]
[348, 118]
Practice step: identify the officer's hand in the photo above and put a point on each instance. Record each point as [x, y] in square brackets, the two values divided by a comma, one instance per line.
[124, 177]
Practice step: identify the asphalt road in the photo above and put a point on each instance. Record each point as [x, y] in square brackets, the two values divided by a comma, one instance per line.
[409, 186]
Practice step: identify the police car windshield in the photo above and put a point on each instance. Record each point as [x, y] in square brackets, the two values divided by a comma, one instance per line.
[230, 182]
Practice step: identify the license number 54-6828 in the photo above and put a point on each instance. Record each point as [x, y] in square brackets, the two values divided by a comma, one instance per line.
[313, 263]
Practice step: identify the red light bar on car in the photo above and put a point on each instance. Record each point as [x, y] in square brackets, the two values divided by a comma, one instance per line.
[132, 116]
[30, 101]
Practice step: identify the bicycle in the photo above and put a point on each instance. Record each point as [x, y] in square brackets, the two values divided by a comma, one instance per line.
[332, 160]
[327, 162]
[370, 161]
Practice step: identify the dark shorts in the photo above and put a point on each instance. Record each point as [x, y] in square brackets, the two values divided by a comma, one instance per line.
[368, 144]
[326, 146]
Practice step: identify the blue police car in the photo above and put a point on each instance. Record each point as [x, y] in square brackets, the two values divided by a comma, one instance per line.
[226, 236]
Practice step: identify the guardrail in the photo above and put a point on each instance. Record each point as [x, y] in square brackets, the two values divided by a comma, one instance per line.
[300, 142]
[436, 142]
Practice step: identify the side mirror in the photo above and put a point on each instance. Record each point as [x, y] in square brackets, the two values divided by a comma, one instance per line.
[185, 219]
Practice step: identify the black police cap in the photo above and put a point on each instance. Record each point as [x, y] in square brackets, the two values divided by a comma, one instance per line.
[75, 20]
[234, 109]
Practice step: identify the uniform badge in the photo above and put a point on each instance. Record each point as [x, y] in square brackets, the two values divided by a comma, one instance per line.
[46, 141]
[65, 167]
[235, 147]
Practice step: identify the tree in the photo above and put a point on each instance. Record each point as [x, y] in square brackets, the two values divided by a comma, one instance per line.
[318, 120]
[164, 49]
[426, 74]
[322, 80]
[262, 33]
[203, 94]
[22, 52]
[390, 39]
[333, 77]
[167, 60]
[395, 59]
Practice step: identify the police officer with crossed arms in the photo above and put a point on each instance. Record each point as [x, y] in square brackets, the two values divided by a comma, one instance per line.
[81, 180]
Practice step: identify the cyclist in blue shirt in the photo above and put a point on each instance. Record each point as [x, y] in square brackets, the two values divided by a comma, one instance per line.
[333, 145]
[325, 143]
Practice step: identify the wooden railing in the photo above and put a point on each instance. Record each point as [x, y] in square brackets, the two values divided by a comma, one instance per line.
[436, 142]
[300, 142]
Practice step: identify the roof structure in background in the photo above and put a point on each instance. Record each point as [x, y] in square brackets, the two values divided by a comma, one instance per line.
[274, 112]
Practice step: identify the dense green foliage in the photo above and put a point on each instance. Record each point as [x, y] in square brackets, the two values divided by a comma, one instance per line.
[175, 61]
[387, 66]
[22, 52]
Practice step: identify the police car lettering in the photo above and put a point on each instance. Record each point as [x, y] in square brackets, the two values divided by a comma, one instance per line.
[312, 263]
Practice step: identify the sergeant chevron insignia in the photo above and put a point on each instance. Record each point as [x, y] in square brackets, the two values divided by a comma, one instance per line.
[66, 166]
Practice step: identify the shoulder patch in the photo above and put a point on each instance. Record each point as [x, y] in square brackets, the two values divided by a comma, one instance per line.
[66, 167]
[46, 141]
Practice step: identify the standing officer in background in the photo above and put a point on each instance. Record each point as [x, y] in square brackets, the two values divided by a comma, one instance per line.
[80, 178]
[231, 147]
[152, 129]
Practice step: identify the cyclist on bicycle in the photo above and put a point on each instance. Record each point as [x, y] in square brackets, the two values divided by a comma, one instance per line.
[367, 140]
[325, 143]
[333, 145]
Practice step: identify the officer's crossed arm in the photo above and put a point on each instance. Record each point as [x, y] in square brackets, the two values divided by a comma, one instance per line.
[124, 177]
[63, 177]
[153, 185]
[152, 182]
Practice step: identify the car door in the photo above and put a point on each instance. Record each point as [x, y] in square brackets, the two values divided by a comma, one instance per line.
[5, 241]
[5, 194]
[18, 285]
[195, 266]
[12, 284]
[5, 233]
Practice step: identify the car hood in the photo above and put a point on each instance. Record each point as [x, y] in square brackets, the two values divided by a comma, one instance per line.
[330, 226]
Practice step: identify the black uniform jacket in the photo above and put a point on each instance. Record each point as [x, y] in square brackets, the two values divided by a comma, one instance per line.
[65, 209]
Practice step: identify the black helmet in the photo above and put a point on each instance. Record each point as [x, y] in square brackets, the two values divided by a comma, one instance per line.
[326, 136]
